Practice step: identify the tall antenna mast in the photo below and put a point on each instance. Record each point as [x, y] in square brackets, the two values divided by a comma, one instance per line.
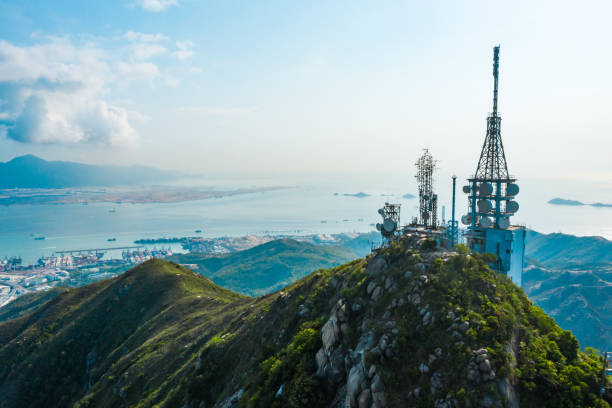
[495, 76]
[492, 164]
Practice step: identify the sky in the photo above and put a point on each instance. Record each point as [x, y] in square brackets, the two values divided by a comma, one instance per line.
[307, 88]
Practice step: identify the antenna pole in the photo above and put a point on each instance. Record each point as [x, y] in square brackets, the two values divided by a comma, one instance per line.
[495, 77]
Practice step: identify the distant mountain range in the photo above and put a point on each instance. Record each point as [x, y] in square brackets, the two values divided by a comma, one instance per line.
[33, 172]
[571, 279]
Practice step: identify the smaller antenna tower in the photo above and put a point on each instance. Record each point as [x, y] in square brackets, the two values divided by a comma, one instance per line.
[428, 201]
[390, 214]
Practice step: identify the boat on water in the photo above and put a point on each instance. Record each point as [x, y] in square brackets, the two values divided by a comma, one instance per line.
[111, 239]
[39, 238]
[198, 231]
[112, 210]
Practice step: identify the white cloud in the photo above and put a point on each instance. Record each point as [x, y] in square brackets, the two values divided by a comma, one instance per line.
[54, 92]
[136, 36]
[138, 70]
[216, 111]
[184, 50]
[157, 5]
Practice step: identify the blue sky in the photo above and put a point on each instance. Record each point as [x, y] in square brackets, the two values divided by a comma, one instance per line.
[317, 87]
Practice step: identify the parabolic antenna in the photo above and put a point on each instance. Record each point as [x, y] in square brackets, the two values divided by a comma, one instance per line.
[484, 206]
[504, 223]
[485, 222]
[466, 189]
[485, 189]
[466, 219]
[512, 189]
[379, 226]
[512, 206]
[389, 225]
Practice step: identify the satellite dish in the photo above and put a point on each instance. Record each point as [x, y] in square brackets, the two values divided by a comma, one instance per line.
[466, 189]
[379, 226]
[512, 206]
[381, 211]
[485, 189]
[485, 222]
[484, 206]
[504, 223]
[389, 225]
[466, 219]
[512, 189]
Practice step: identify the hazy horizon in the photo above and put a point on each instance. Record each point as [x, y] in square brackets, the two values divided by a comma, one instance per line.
[306, 90]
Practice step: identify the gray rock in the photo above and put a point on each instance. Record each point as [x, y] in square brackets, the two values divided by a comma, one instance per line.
[438, 352]
[232, 401]
[377, 293]
[408, 274]
[330, 334]
[424, 279]
[376, 266]
[372, 371]
[484, 366]
[472, 375]
[377, 384]
[303, 311]
[341, 311]
[423, 368]
[420, 267]
[353, 383]
[365, 399]
[463, 327]
[356, 307]
[436, 382]
[481, 357]
[481, 351]
[370, 287]
[416, 392]
[388, 282]
[379, 399]
[431, 359]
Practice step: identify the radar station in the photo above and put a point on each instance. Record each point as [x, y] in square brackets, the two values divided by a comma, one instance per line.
[491, 200]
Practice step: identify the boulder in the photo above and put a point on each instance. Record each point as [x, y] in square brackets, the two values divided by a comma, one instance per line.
[376, 266]
[377, 293]
[330, 334]
[379, 399]
[377, 384]
[353, 383]
[365, 399]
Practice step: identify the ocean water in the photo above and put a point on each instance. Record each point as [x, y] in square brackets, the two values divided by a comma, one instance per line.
[305, 209]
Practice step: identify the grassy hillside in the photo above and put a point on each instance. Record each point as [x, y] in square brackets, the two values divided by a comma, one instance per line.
[28, 303]
[268, 267]
[404, 327]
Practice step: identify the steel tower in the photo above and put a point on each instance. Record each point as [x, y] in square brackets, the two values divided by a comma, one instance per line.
[491, 192]
[428, 201]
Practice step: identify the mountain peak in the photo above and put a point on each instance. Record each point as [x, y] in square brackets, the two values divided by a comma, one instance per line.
[404, 326]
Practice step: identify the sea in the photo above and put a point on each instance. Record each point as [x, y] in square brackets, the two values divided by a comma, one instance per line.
[300, 209]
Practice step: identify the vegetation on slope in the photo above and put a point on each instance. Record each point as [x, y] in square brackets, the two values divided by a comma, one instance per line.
[267, 267]
[162, 336]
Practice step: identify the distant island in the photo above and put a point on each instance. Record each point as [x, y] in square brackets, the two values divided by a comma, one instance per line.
[360, 194]
[575, 203]
[408, 196]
